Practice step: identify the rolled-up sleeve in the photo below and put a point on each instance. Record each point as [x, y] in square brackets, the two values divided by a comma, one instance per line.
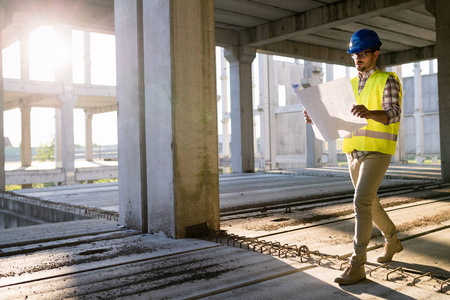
[391, 100]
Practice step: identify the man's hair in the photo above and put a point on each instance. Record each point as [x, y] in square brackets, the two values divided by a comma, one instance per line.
[375, 49]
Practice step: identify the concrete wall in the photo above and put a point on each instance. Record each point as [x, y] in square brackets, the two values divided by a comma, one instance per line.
[430, 105]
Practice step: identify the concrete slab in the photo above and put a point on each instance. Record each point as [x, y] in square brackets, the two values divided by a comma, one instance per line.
[423, 254]
[143, 266]
[97, 259]
[247, 190]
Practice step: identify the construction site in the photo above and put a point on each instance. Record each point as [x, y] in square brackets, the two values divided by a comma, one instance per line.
[215, 188]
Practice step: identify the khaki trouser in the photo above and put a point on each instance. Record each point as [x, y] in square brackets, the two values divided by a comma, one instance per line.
[366, 173]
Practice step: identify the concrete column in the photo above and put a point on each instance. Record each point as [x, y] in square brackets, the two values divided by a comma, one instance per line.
[63, 74]
[167, 116]
[131, 115]
[25, 146]
[266, 109]
[312, 77]
[442, 9]
[332, 155]
[87, 57]
[431, 66]
[2, 105]
[400, 152]
[58, 138]
[25, 55]
[88, 136]
[242, 153]
[225, 101]
[262, 107]
[418, 114]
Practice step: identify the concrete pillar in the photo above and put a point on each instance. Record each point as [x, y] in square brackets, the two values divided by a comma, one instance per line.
[431, 66]
[418, 114]
[225, 101]
[312, 77]
[131, 115]
[25, 145]
[64, 75]
[332, 155]
[242, 153]
[262, 108]
[87, 57]
[3, 22]
[442, 9]
[400, 151]
[168, 154]
[88, 136]
[266, 112]
[25, 55]
[58, 138]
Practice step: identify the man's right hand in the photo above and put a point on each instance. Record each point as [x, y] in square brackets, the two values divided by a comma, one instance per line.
[307, 117]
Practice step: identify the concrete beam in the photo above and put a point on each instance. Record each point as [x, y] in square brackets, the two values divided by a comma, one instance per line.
[94, 90]
[34, 176]
[78, 14]
[321, 18]
[102, 109]
[32, 100]
[307, 52]
[35, 87]
[408, 56]
[226, 37]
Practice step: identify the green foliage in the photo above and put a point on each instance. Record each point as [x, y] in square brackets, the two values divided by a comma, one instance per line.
[12, 187]
[46, 152]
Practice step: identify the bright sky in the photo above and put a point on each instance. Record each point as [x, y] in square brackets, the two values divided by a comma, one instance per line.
[45, 55]
[46, 52]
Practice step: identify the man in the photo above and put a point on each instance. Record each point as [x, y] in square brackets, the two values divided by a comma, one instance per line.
[369, 150]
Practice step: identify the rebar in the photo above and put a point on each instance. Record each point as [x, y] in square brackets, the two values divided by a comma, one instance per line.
[442, 284]
[417, 277]
[382, 266]
[393, 271]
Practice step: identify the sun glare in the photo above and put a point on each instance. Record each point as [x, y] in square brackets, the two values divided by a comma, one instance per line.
[42, 51]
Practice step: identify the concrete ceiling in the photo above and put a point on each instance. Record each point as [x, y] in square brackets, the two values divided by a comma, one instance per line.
[316, 30]
[321, 30]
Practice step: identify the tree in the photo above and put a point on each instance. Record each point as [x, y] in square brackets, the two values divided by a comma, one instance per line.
[46, 152]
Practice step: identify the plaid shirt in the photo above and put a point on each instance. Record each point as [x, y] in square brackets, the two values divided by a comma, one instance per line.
[390, 102]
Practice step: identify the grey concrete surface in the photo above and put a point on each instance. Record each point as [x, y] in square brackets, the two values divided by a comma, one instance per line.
[96, 259]
[247, 190]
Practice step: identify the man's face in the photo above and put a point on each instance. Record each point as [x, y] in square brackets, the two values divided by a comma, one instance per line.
[365, 60]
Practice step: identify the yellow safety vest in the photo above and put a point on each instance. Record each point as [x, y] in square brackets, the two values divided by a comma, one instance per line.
[375, 136]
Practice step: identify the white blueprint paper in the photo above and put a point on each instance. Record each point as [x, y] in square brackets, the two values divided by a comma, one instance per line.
[329, 106]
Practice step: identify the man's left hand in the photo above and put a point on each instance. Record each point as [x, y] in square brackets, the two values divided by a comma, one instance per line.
[361, 111]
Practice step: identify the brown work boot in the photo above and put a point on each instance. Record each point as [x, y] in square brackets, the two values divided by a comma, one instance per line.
[389, 251]
[351, 275]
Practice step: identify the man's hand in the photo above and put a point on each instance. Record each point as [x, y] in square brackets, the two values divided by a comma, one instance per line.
[361, 111]
[307, 117]
[376, 115]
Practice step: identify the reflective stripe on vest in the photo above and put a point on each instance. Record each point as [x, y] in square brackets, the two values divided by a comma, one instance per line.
[375, 136]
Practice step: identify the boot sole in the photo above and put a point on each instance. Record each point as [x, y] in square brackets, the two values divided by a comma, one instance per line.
[349, 282]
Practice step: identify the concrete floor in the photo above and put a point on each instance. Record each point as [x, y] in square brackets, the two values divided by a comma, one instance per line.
[96, 259]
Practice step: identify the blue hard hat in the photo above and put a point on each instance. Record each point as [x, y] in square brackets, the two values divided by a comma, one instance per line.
[362, 40]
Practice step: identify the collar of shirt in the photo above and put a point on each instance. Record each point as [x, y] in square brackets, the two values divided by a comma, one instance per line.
[366, 75]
